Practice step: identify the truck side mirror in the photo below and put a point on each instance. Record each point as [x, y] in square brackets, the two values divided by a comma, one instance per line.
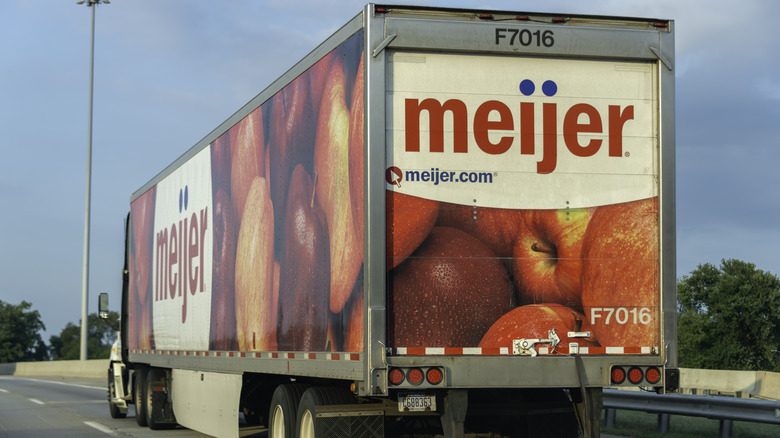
[103, 306]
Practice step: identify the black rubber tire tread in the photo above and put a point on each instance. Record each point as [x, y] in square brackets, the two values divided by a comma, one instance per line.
[113, 408]
[287, 396]
[322, 396]
[158, 401]
[139, 396]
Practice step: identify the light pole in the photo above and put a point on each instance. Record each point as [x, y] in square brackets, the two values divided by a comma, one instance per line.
[85, 278]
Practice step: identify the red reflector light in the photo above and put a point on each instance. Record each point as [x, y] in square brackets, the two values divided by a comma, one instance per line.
[635, 375]
[559, 20]
[381, 10]
[618, 375]
[653, 375]
[659, 25]
[486, 16]
[395, 376]
[434, 376]
[415, 376]
[522, 18]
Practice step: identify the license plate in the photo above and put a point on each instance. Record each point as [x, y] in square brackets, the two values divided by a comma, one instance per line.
[416, 402]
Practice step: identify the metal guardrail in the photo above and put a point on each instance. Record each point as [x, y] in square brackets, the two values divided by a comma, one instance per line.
[723, 408]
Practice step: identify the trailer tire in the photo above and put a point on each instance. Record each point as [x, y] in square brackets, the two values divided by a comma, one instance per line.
[283, 410]
[156, 402]
[115, 411]
[139, 396]
[318, 396]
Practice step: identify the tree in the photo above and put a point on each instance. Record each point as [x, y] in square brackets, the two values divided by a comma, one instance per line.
[729, 317]
[101, 334]
[20, 340]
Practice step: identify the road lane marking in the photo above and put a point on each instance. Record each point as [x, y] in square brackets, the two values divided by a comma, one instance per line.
[101, 388]
[37, 401]
[100, 427]
[3, 390]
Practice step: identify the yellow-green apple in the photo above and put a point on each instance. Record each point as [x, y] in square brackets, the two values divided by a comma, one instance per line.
[331, 167]
[356, 129]
[533, 322]
[620, 272]
[448, 293]
[305, 270]
[409, 220]
[547, 256]
[495, 227]
[248, 158]
[142, 213]
[223, 304]
[255, 310]
[353, 319]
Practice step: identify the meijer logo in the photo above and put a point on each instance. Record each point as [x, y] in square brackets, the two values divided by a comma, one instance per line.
[580, 118]
[180, 255]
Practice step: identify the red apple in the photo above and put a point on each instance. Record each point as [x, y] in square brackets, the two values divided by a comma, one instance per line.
[142, 214]
[223, 310]
[331, 164]
[620, 272]
[448, 293]
[318, 74]
[291, 140]
[533, 322]
[495, 227]
[220, 164]
[255, 303]
[409, 220]
[547, 256]
[248, 158]
[305, 270]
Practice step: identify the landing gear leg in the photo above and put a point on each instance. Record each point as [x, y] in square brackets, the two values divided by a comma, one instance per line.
[456, 403]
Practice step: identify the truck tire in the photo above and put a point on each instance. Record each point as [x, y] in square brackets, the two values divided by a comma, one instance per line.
[139, 396]
[319, 396]
[284, 407]
[112, 407]
[156, 402]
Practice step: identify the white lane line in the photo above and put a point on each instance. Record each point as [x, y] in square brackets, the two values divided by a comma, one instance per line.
[37, 401]
[66, 384]
[3, 390]
[100, 427]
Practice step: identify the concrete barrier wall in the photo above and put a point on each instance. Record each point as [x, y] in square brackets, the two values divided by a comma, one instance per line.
[758, 384]
[61, 368]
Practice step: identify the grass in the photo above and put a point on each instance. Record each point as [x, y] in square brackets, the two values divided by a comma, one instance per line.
[644, 425]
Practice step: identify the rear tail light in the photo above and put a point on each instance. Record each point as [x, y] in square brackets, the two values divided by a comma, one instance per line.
[635, 375]
[618, 375]
[395, 376]
[434, 376]
[415, 376]
[653, 375]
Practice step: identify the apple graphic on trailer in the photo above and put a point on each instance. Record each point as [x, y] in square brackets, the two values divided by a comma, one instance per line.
[620, 273]
[534, 321]
[547, 256]
[331, 167]
[448, 293]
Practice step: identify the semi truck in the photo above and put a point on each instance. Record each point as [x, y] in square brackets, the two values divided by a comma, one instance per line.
[439, 220]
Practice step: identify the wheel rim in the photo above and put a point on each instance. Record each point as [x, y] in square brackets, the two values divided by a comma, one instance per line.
[277, 423]
[306, 426]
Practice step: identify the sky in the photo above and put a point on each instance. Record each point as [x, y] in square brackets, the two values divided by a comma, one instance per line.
[168, 72]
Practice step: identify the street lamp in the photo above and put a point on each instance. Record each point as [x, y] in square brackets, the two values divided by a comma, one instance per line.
[85, 278]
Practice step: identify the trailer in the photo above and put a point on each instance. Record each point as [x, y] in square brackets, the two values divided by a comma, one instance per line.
[440, 220]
